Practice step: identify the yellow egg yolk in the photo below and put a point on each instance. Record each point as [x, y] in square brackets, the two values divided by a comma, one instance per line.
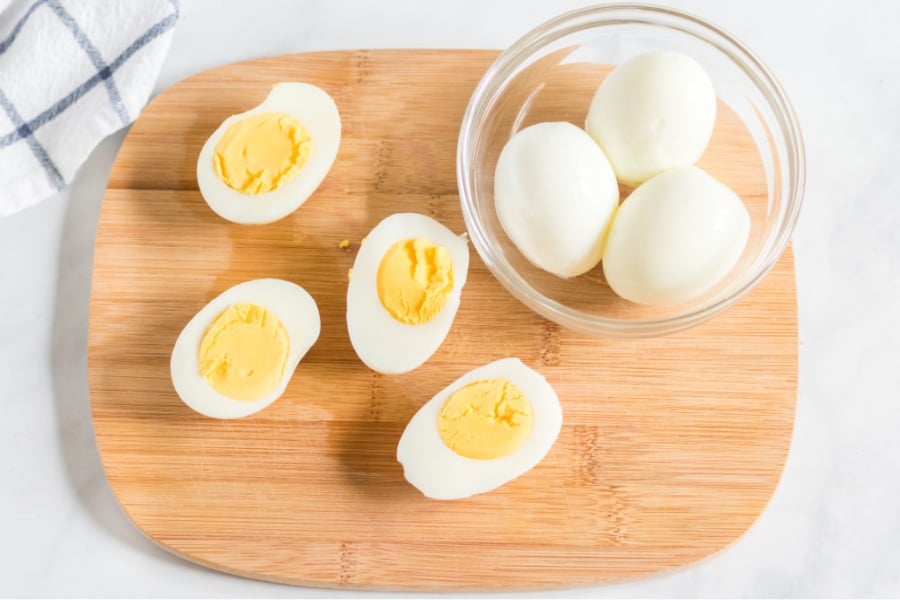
[414, 280]
[244, 352]
[486, 419]
[259, 154]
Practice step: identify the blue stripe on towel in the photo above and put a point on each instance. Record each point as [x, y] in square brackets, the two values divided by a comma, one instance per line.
[148, 36]
[91, 50]
[18, 26]
[51, 113]
[36, 148]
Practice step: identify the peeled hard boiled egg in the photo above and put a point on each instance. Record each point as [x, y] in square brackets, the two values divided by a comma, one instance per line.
[675, 237]
[262, 164]
[236, 355]
[555, 194]
[404, 291]
[652, 113]
[485, 429]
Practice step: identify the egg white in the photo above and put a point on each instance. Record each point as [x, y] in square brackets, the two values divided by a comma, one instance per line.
[293, 306]
[675, 237]
[654, 112]
[318, 114]
[555, 194]
[381, 342]
[440, 473]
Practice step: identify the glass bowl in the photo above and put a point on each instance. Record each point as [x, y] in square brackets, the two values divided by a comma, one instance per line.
[551, 74]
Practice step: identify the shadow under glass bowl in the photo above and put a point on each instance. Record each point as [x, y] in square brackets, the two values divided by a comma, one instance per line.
[551, 74]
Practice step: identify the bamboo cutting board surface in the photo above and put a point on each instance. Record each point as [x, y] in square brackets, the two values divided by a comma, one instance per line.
[670, 448]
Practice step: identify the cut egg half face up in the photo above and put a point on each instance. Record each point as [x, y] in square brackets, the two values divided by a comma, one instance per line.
[261, 165]
[485, 429]
[404, 291]
[236, 356]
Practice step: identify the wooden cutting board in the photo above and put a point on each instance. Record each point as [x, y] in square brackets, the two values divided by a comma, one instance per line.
[669, 450]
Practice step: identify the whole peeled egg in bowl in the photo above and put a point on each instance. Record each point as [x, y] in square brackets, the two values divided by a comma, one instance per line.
[552, 75]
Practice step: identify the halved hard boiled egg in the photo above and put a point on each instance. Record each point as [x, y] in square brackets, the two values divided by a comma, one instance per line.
[236, 356]
[261, 165]
[490, 426]
[404, 291]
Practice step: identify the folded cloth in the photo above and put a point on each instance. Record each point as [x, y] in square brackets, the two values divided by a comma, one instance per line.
[71, 73]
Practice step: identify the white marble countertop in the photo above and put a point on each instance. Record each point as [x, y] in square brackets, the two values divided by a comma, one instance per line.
[833, 525]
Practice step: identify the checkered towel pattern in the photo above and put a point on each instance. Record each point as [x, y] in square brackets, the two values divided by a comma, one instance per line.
[71, 73]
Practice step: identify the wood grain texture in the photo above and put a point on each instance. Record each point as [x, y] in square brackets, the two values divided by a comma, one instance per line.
[670, 447]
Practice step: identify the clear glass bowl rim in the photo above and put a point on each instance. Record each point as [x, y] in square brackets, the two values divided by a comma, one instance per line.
[589, 18]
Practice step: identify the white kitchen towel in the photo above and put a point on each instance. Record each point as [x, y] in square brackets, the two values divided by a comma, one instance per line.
[71, 73]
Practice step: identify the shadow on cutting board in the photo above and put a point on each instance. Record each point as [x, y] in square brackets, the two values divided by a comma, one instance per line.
[69, 357]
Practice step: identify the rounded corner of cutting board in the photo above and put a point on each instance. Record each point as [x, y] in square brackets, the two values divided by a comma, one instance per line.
[666, 471]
